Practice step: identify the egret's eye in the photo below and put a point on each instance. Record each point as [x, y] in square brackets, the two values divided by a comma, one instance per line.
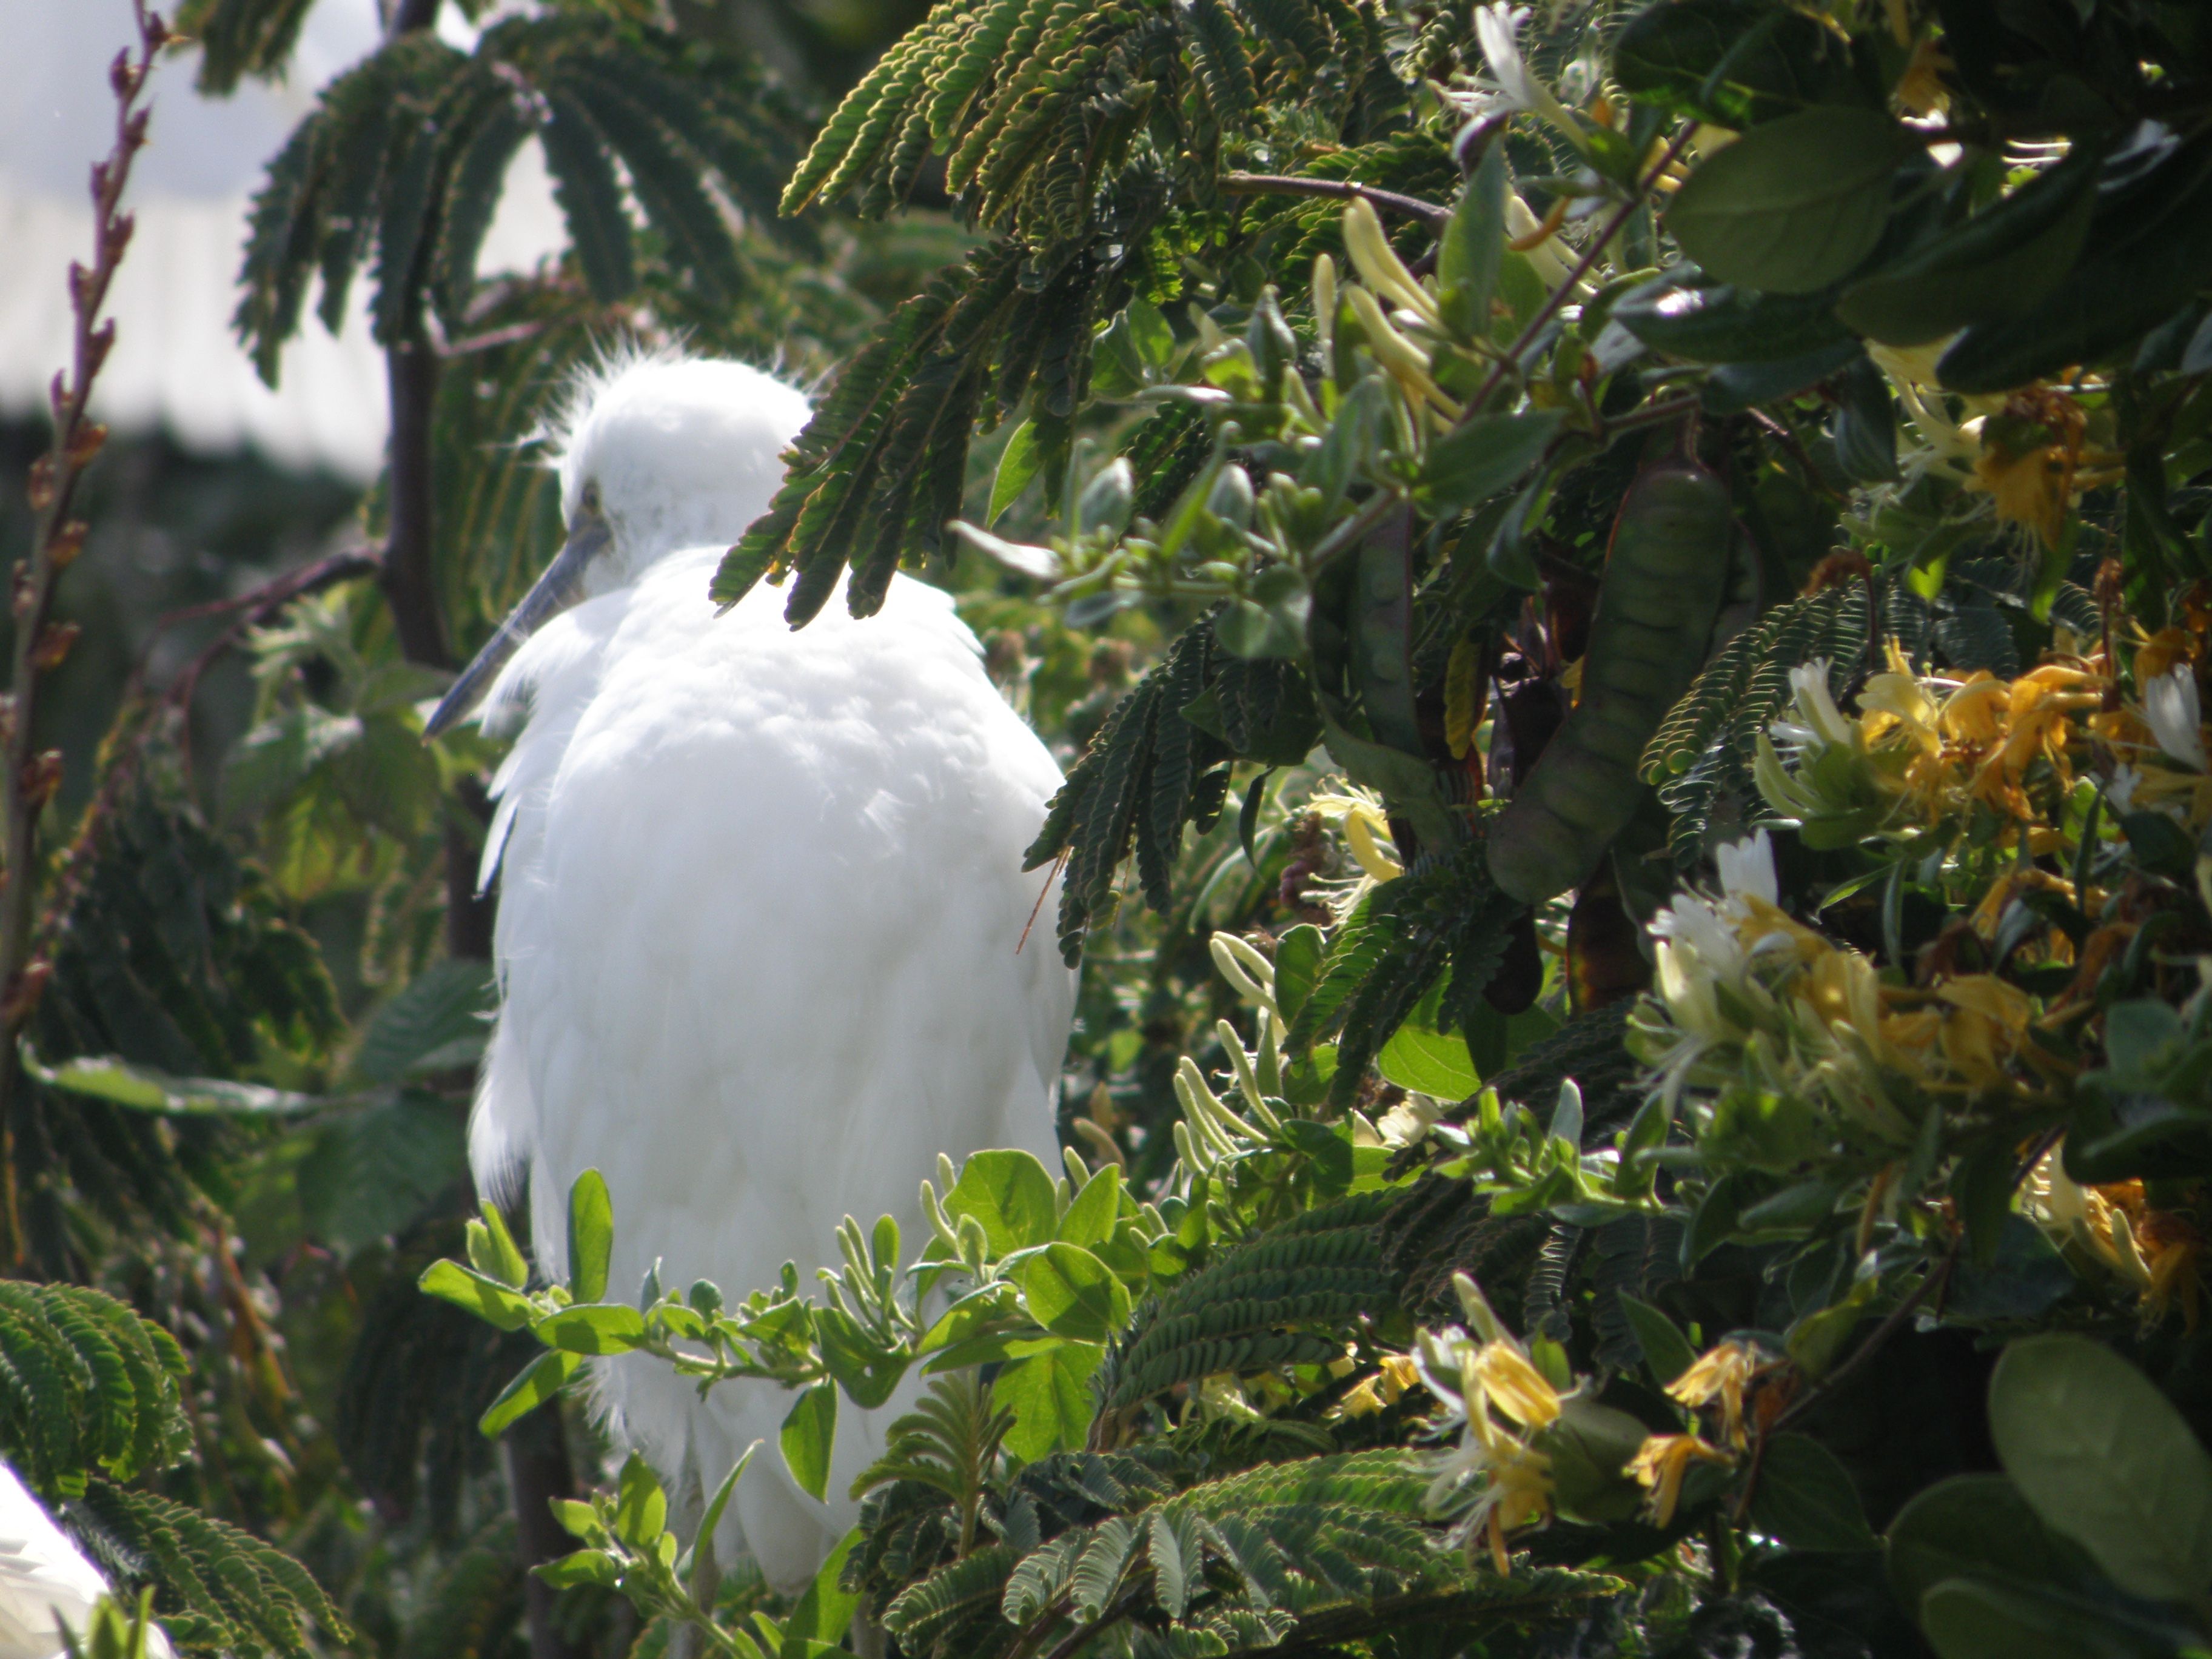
[591, 501]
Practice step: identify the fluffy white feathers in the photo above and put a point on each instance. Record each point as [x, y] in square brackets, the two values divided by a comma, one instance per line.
[761, 897]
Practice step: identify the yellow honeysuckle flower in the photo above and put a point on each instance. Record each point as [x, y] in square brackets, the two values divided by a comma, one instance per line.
[2160, 653]
[1988, 1024]
[1514, 1385]
[1975, 712]
[1893, 705]
[2157, 1252]
[1396, 1374]
[2029, 488]
[1660, 1462]
[1720, 1373]
[1519, 1495]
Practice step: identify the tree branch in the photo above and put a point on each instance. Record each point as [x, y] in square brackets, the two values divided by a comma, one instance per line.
[1274, 183]
[31, 775]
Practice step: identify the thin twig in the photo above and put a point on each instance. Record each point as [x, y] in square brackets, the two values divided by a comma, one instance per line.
[1340, 190]
[1930, 1282]
[1591, 256]
[31, 775]
[1371, 512]
[141, 718]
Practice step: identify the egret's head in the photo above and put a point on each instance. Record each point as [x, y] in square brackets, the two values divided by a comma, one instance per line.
[656, 453]
[669, 453]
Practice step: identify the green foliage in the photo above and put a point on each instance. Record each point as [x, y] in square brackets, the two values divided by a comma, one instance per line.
[1158, 763]
[238, 38]
[89, 1386]
[1257, 1305]
[217, 1588]
[1613, 493]
[406, 153]
[1449, 917]
[91, 1396]
[1701, 758]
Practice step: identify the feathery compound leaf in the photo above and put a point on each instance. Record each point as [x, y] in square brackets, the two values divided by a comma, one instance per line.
[665, 179]
[590, 196]
[216, 1588]
[1243, 1312]
[405, 154]
[955, 86]
[472, 200]
[239, 38]
[1224, 67]
[86, 1384]
[1704, 750]
[924, 1615]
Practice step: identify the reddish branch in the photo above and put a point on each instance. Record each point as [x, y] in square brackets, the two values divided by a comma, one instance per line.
[31, 775]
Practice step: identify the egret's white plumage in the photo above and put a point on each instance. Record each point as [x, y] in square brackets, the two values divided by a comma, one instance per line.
[761, 897]
[44, 1577]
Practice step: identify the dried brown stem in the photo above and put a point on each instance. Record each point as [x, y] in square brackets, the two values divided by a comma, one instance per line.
[30, 775]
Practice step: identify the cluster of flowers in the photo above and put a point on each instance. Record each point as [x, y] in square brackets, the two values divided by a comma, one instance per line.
[1533, 1442]
[1781, 1048]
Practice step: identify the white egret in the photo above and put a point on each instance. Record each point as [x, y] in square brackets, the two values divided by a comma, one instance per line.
[44, 1579]
[761, 908]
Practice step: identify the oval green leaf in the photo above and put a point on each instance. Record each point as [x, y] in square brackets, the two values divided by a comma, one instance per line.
[536, 1385]
[1010, 1196]
[1805, 1498]
[595, 1328]
[1485, 455]
[809, 1432]
[1072, 1293]
[1793, 205]
[591, 1237]
[485, 1298]
[1975, 1524]
[1091, 1218]
[2105, 1459]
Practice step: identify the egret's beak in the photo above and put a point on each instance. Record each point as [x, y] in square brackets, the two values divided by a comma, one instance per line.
[552, 593]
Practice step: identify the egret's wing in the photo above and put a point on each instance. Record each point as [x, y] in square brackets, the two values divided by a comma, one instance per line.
[543, 690]
[539, 696]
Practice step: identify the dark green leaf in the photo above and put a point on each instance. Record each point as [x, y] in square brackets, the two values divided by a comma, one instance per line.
[1793, 205]
[1485, 455]
[1978, 1526]
[1666, 1351]
[1805, 1498]
[2104, 1458]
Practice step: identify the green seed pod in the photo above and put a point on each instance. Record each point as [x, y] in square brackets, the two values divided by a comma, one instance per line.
[1664, 577]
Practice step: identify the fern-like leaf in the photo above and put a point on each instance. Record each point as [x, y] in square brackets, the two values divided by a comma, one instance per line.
[402, 159]
[1702, 754]
[1286, 1297]
[217, 1590]
[86, 1385]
